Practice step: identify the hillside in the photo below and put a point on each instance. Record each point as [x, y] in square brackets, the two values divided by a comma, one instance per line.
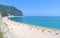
[10, 10]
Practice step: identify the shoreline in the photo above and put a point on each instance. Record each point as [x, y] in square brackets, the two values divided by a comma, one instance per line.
[31, 24]
[12, 25]
[35, 26]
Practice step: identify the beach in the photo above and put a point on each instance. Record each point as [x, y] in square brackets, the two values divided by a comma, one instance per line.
[20, 30]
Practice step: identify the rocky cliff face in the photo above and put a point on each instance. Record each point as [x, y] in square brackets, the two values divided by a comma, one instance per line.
[10, 10]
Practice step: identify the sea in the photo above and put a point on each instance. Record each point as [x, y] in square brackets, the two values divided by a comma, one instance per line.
[52, 22]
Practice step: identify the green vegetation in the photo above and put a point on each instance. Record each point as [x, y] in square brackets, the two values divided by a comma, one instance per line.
[10, 10]
[1, 12]
[1, 35]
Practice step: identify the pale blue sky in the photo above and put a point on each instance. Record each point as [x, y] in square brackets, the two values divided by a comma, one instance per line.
[35, 7]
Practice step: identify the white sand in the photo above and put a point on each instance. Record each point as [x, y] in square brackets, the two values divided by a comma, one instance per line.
[19, 30]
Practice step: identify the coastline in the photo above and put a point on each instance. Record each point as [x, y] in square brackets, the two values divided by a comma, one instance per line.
[20, 30]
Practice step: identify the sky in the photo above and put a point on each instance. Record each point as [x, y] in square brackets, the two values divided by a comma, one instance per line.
[35, 7]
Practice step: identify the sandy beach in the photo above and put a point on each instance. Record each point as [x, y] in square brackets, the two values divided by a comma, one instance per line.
[20, 30]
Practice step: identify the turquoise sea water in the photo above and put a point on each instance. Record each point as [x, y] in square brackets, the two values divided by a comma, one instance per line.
[42, 21]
